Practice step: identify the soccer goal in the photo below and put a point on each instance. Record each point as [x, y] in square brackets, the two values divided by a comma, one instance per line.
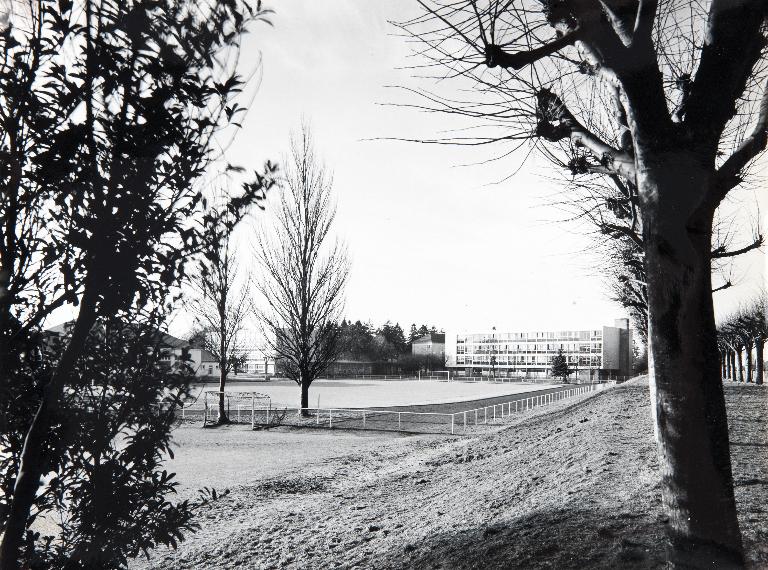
[439, 375]
[240, 407]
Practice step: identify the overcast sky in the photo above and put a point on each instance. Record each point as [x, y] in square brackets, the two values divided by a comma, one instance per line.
[431, 241]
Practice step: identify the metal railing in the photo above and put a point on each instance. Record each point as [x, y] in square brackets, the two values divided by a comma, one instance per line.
[490, 414]
[260, 416]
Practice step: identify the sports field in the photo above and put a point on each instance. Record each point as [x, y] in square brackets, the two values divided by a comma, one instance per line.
[378, 393]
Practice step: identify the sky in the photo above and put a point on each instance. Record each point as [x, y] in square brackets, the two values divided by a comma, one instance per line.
[434, 237]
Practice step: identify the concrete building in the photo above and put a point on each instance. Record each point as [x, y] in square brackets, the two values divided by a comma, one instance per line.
[432, 344]
[595, 354]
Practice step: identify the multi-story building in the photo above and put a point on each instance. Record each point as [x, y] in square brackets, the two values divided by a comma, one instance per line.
[592, 354]
[432, 344]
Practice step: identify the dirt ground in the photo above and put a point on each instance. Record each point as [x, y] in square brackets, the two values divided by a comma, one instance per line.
[574, 485]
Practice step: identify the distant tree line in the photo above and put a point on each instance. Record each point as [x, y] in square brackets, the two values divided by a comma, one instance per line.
[741, 339]
[387, 347]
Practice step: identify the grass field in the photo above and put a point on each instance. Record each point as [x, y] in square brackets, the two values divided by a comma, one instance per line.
[574, 485]
[404, 406]
[377, 393]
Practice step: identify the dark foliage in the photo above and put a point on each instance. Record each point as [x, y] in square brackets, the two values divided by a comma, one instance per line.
[559, 366]
[107, 496]
[108, 111]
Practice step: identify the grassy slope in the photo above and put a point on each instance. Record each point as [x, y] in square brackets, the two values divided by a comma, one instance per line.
[572, 486]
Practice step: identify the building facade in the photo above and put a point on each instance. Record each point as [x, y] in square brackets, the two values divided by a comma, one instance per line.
[432, 344]
[596, 354]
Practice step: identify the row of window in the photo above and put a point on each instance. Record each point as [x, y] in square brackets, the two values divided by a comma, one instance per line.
[593, 361]
[559, 335]
[536, 347]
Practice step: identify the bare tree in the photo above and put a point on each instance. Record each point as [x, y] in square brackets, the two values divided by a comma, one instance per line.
[668, 97]
[221, 304]
[743, 333]
[610, 209]
[304, 271]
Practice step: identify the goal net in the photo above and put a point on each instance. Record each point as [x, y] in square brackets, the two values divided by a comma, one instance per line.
[241, 407]
[440, 375]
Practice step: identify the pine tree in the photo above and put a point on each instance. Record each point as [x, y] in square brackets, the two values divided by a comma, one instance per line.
[560, 366]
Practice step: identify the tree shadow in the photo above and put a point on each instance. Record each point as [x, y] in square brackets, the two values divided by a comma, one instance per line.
[567, 538]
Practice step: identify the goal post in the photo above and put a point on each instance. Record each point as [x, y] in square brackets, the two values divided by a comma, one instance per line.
[242, 407]
[439, 375]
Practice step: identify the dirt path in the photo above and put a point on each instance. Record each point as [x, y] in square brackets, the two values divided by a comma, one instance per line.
[574, 485]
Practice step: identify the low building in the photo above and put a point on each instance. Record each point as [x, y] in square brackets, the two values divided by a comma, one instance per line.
[432, 344]
[259, 358]
[345, 367]
[596, 354]
[172, 351]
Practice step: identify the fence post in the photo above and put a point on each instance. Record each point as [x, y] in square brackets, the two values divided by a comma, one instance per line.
[475, 417]
[485, 414]
[253, 412]
[452, 424]
[182, 411]
[494, 412]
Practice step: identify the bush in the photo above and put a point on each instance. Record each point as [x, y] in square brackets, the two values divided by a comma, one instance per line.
[107, 492]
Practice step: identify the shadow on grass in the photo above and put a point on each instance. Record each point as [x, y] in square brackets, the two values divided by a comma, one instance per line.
[559, 539]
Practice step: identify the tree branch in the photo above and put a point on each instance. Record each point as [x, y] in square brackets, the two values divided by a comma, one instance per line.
[495, 56]
[732, 46]
[726, 285]
[557, 122]
[721, 252]
[728, 175]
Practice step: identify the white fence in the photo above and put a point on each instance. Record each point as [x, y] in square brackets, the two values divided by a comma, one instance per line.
[494, 412]
[258, 411]
[427, 422]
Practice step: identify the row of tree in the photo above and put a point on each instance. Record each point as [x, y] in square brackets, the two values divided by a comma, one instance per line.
[741, 339]
[668, 103]
[363, 341]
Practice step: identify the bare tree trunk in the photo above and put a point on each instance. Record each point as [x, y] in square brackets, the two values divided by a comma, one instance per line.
[733, 366]
[33, 456]
[223, 417]
[723, 366]
[687, 393]
[748, 351]
[304, 397]
[759, 360]
[728, 364]
[740, 364]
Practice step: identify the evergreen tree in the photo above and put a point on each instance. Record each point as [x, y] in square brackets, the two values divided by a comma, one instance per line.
[560, 367]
